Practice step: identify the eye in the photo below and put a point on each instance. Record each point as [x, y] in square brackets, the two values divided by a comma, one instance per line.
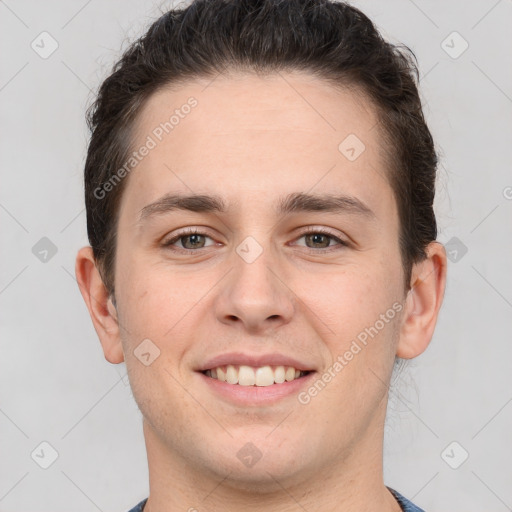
[189, 239]
[316, 240]
[321, 239]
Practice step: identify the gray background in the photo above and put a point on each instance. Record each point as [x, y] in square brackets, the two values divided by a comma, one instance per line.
[56, 386]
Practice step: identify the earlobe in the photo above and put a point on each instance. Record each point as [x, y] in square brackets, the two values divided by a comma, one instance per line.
[103, 313]
[428, 280]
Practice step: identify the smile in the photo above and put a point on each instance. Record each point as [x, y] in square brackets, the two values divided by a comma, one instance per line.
[243, 375]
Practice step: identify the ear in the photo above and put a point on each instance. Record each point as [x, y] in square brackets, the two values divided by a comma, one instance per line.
[102, 310]
[423, 301]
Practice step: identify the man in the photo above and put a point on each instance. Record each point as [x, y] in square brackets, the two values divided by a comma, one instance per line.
[259, 190]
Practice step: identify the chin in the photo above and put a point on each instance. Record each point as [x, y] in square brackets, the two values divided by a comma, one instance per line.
[266, 479]
[259, 471]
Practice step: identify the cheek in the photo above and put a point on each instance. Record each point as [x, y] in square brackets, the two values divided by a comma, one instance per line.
[154, 303]
[351, 296]
[350, 304]
[157, 314]
[149, 299]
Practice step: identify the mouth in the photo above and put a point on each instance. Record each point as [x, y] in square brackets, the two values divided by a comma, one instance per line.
[261, 376]
[255, 380]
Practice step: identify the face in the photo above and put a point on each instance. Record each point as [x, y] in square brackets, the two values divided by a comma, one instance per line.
[293, 262]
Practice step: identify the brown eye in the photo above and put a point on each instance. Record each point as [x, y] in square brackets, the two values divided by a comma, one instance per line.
[195, 241]
[318, 240]
[188, 241]
[321, 240]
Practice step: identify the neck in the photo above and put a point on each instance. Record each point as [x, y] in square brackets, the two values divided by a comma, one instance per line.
[352, 483]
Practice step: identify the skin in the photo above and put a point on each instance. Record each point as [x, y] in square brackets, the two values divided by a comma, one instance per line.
[252, 140]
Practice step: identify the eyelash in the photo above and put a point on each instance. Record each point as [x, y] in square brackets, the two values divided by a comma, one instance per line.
[312, 231]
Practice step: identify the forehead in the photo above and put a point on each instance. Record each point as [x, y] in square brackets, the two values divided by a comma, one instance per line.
[254, 136]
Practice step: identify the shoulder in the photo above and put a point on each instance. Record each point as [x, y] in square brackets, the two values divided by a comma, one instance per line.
[407, 506]
[139, 507]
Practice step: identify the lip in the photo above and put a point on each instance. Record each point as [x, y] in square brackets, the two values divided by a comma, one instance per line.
[256, 360]
[244, 396]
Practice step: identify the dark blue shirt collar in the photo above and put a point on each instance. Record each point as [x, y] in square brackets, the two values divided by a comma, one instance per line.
[407, 506]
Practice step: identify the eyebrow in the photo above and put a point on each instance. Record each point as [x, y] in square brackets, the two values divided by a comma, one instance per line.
[292, 203]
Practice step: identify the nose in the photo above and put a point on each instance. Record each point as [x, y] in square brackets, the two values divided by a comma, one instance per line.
[255, 295]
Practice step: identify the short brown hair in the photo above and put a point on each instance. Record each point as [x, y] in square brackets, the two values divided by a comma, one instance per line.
[329, 39]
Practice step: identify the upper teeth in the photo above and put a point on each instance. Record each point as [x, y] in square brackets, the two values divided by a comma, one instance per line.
[250, 376]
